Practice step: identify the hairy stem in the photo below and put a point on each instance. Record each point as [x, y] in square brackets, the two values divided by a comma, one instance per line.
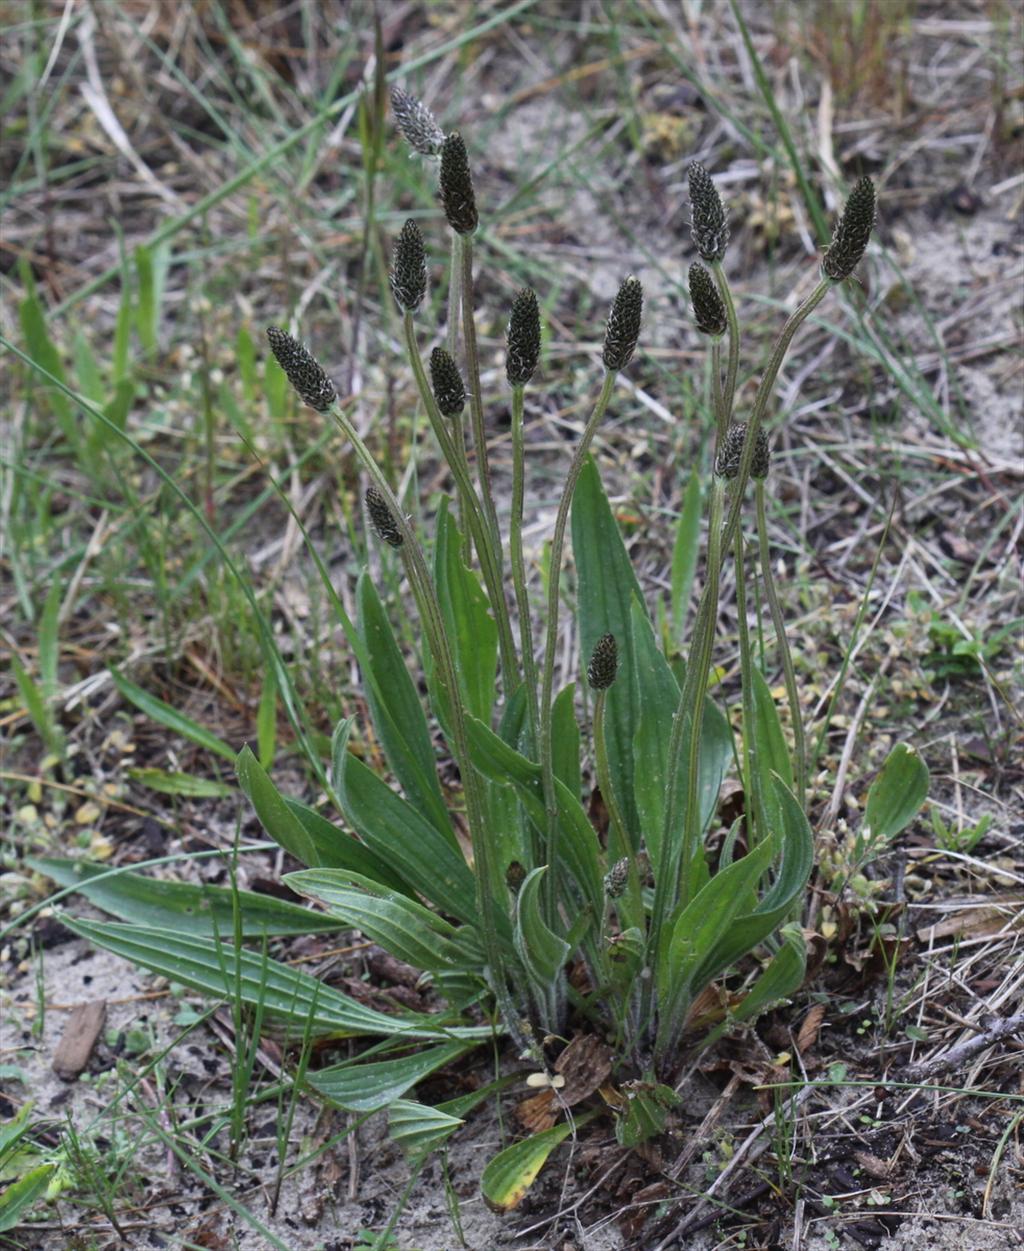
[515, 543]
[618, 838]
[671, 884]
[764, 392]
[475, 400]
[470, 508]
[718, 395]
[750, 781]
[454, 293]
[734, 336]
[550, 643]
[697, 677]
[432, 619]
[779, 624]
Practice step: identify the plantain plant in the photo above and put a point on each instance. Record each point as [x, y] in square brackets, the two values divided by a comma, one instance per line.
[527, 916]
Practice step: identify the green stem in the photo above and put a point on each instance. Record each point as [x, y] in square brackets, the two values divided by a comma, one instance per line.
[437, 640]
[675, 855]
[764, 392]
[470, 508]
[515, 543]
[550, 642]
[454, 289]
[734, 336]
[697, 676]
[475, 400]
[750, 781]
[718, 395]
[630, 905]
[618, 841]
[779, 623]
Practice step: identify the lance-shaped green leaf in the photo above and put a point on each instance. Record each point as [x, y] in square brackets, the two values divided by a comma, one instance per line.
[578, 846]
[394, 830]
[895, 796]
[419, 1129]
[337, 849]
[168, 782]
[366, 1085]
[275, 816]
[713, 932]
[542, 952]
[471, 629]
[397, 712]
[565, 740]
[401, 926]
[606, 586]
[699, 929]
[783, 976]
[657, 695]
[287, 995]
[767, 741]
[511, 1173]
[19, 1196]
[183, 906]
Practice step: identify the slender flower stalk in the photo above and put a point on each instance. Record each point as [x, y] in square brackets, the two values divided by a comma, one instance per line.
[673, 887]
[451, 335]
[732, 369]
[779, 625]
[624, 885]
[628, 900]
[763, 395]
[475, 399]
[470, 506]
[750, 776]
[551, 639]
[621, 335]
[518, 561]
[521, 358]
[429, 608]
[719, 402]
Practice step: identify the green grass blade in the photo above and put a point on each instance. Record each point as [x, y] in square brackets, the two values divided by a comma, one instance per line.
[163, 714]
[684, 555]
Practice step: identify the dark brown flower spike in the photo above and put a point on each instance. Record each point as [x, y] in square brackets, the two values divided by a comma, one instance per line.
[604, 663]
[623, 329]
[446, 382]
[457, 193]
[852, 232]
[708, 305]
[523, 342]
[710, 224]
[382, 518]
[304, 371]
[416, 122]
[409, 268]
[727, 462]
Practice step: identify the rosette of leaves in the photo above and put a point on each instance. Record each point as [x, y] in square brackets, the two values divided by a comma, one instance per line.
[550, 923]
